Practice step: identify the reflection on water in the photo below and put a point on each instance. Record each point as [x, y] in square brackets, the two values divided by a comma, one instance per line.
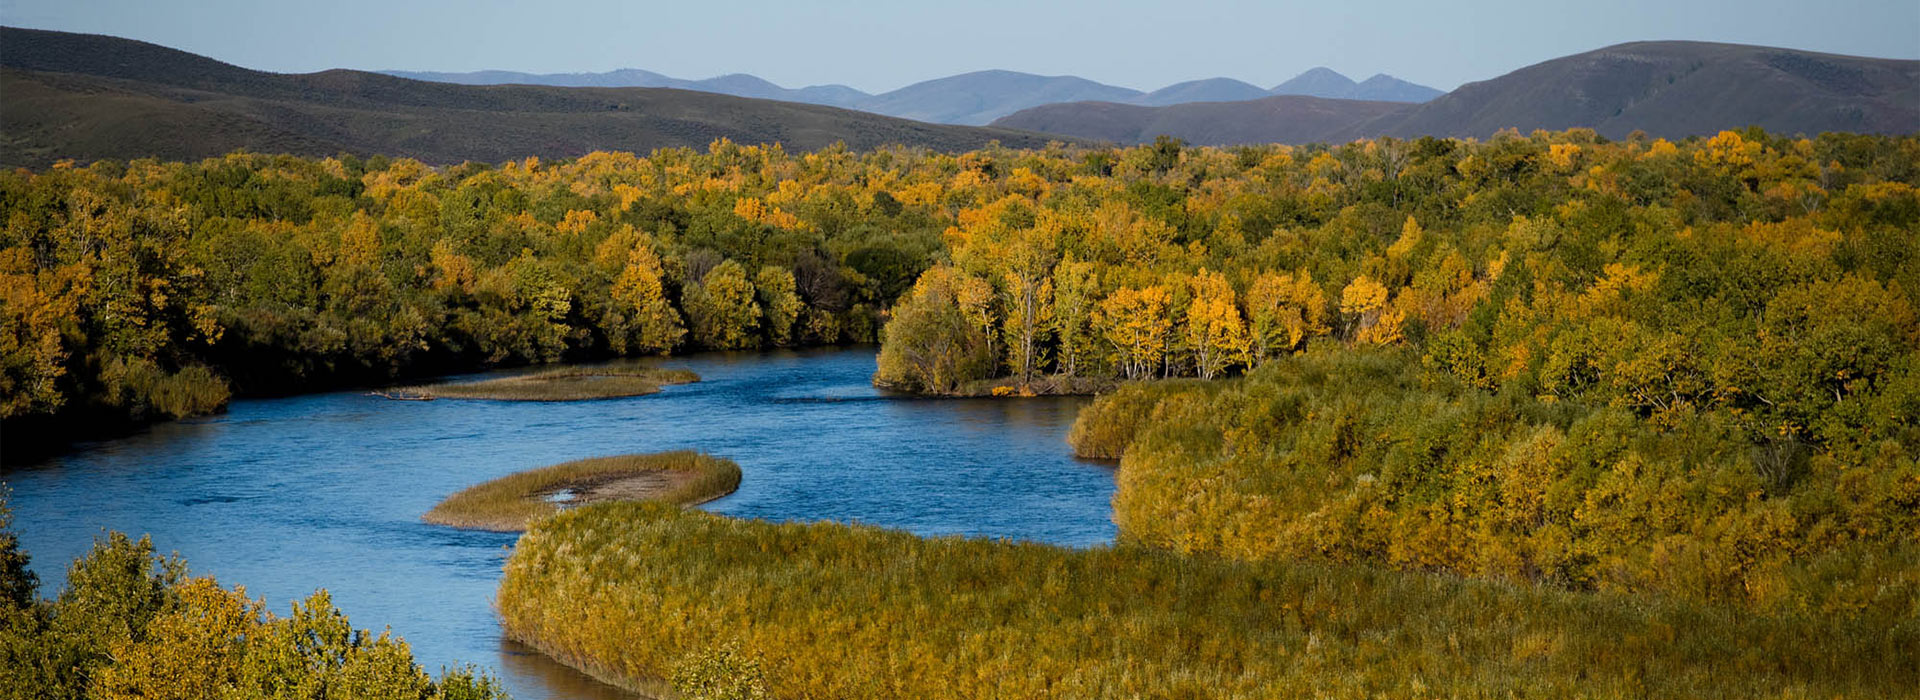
[288, 495]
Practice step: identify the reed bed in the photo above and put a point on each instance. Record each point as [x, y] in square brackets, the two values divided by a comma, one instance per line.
[566, 384]
[510, 503]
[631, 592]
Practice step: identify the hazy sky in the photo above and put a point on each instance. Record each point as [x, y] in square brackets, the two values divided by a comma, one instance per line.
[878, 45]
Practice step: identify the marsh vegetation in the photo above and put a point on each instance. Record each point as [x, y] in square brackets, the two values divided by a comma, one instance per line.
[563, 384]
[511, 502]
[837, 611]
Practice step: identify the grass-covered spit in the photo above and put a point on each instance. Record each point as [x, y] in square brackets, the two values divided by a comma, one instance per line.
[635, 593]
[510, 502]
[566, 384]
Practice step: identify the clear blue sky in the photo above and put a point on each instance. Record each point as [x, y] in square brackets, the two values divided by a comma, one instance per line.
[878, 45]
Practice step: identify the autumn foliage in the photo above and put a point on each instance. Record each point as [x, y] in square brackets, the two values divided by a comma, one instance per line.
[642, 593]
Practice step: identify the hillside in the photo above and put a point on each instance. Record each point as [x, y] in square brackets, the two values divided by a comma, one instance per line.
[1282, 119]
[1678, 88]
[1670, 89]
[89, 97]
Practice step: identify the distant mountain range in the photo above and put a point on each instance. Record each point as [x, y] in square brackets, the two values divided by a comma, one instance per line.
[89, 97]
[1668, 89]
[736, 84]
[974, 98]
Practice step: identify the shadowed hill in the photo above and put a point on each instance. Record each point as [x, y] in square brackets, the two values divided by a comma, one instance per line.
[1282, 119]
[1670, 89]
[1678, 88]
[736, 84]
[90, 97]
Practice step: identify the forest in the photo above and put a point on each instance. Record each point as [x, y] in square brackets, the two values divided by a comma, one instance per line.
[1674, 385]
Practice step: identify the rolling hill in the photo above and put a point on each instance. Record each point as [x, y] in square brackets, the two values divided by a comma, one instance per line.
[90, 97]
[736, 84]
[1670, 89]
[1678, 88]
[1281, 119]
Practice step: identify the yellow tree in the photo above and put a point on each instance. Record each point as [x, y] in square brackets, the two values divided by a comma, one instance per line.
[1215, 330]
[650, 323]
[1138, 324]
[1364, 302]
[1076, 289]
[1026, 268]
[1284, 310]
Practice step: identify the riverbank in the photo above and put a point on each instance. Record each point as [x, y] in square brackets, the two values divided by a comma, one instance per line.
[510, 503]
[1005, 387]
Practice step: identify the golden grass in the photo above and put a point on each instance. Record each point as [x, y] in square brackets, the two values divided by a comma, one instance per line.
[510, 503]
[630, 591]
[565, 384]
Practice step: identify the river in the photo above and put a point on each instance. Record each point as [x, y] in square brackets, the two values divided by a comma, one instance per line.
[287, 495]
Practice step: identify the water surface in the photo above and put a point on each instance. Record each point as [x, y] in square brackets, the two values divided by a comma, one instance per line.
[288, 495]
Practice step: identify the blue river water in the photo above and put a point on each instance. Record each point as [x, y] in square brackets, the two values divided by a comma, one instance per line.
[288, 495]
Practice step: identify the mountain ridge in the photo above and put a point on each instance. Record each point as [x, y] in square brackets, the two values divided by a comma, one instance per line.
[975, 98]
[89, 97]
[1671, 89]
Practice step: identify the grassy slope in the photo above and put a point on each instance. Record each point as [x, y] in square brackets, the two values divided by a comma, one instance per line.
[849, 611]
[90, 97]
[510, 502]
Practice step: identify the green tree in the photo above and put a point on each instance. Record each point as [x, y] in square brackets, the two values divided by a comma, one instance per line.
[722, 309]
[779, 303]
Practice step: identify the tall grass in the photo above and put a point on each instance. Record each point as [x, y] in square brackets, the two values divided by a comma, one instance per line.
[566, 384]
[628, 591]
[510, 502]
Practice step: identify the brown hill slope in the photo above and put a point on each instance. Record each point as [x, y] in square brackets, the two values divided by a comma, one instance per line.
[1678, 88]
[1282, 119]
[89, 97]
[1669, 89]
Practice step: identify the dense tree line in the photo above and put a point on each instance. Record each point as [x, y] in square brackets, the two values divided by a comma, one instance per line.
[1690, 369]
[133, 624]
[149, 290]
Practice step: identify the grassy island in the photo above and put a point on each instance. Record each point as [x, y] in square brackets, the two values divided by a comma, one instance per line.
[636, 593]
[566, 384]
[509, 503]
